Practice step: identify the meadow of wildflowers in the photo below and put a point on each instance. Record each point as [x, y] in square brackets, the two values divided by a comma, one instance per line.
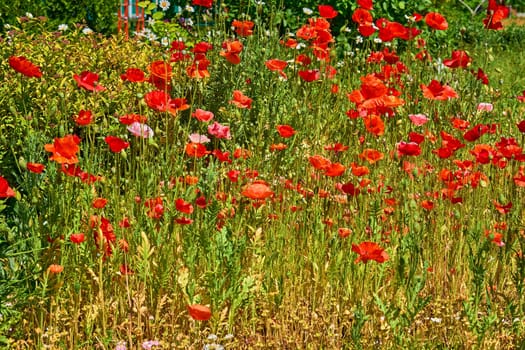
[242, 186]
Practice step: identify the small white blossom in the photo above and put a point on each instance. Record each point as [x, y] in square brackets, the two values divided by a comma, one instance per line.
[378, 40]
[307, 11]
[150, 21]
[259, 2]
[63, 27]
[359, 39]
[164, 41]
[435, 319]
[188, 22]
[164, 5]
[189, 8]
[29, 15]
[87, 31]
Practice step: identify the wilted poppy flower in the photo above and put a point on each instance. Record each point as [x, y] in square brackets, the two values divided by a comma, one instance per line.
[5, 190]
[84, 118]
[25, 67]
[202, 115]
[133, 75]
[369, 251]
[257, 190]
[436, 20]
[140, 130]
[116, 144]
[36, 168]
[327, 11]
[77, 238]
[285, 131]
[199, 312]
[88, 81]
[502, 208]
[64, 149]
[240, 100]
[436, 91]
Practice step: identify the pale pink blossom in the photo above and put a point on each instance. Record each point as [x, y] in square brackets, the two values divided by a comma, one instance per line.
[485, 107]
[198, 138]
[418, 119]
[141, 130]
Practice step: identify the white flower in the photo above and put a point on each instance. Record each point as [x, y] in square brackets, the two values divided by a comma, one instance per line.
[228, 336]
[164, 5]
[87, 31]
[347, 30]
[150, 21]
[378, 40]
[188, 22]
[300, 46]
[164, 41]
[359, 39]
[63, 27]
[29, 15]
[307, 11]
[189, 8]
[435, 319]
[259, 2]
[151, 36]
[7, 26]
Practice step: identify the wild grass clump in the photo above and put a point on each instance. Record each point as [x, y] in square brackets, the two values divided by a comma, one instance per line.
[247, 189]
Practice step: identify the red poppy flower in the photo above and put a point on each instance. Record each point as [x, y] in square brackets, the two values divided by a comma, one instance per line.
[199, 312]
[495, 14]
[199, 69]
[99, 203]
[310, 75]
[436, 91]
[427, 204]
[55, 269]
[344, 232]
[303, 60]
[436, 20]
[502, 208]
[362, 17]
[197, 150]
[476, 132]
[25, 67]
[84, 118]
[275, 64]
[231, 51]
[203, 3]
[88, 81]
[369, 251]
[64, 149]
[374, 124]
[371, 155]
[202, 115]
[373, 94]
[160, 74]
[133, 75]
[183, 221]
[129, 119]
[243, 28]
[242, 153]
[285, 131]
[183, 206]
[336, 147]
[334, 170]
[480, 75]
[408, 148]
[319, 162]
[459, 59]
[278, 147]
[327, 11]
[350, 189]
[257, 190]
[240, 100]
[77, 238]
[5, 190]
[116, 144]
[36, 168]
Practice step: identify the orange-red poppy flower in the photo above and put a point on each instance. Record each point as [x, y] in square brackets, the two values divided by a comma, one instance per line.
[231, 51]
[5, 190]
[134, 75]
[436, 91]
[64, 149]
[436, 21]
[285, 131]
[243, 28]
[36, 168]
[89, 81]
[23, 66]
[199, 312]
[369, 251]
[371, 155]
[240, 100]
[257, 190]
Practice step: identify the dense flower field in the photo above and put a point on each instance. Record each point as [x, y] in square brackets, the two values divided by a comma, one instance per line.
[251, 188]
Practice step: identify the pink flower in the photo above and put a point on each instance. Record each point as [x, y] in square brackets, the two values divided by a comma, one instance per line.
[418, 119]
[485, 107]
[141, 130]
[198, 138]
[219, 131]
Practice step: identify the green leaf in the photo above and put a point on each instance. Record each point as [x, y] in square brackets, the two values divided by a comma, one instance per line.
[401, 5]
[158, 15]
[143, 4]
